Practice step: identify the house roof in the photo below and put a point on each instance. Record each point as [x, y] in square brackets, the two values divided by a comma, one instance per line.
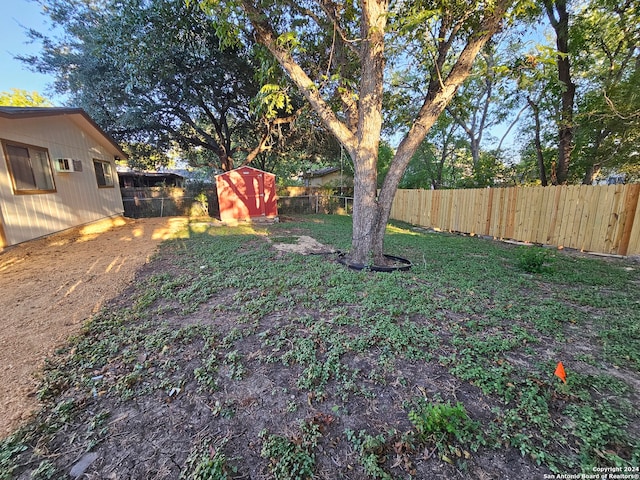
[321, 172]
[78, 115]
[128, 173]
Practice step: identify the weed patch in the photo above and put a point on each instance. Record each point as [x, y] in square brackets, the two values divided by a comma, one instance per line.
[533, 259]
[292, 458]
[207, 462]
[10, 448]
[372, 451]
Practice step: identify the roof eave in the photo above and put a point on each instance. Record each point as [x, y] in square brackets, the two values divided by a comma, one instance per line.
[35, 112]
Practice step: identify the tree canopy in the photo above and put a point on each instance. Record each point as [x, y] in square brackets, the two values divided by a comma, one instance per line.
[580, 136]
[154, 72]
[23, 98]
[606, 53]
[600, 131]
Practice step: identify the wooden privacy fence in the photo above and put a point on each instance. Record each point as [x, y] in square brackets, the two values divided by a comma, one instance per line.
[604, 219]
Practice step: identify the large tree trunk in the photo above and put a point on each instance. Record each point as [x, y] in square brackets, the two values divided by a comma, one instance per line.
[536, 116]
[591, 174]
[370, 216]
[566, 127]
[365, 211]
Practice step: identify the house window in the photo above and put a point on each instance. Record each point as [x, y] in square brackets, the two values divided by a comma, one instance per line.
[104, 176]
[29, 168]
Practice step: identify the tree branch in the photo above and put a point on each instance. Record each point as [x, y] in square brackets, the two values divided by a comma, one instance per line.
[265, 35]
[214, 144]
[437, 98]
[511, 125]
[349, 43]
[459, 121]
[263, 145]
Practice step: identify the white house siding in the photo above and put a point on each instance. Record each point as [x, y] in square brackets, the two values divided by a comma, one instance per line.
[77, 199]
[334, 178]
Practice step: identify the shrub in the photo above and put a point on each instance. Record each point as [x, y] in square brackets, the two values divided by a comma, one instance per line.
[533, 259]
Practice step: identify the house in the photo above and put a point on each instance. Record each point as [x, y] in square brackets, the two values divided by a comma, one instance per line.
[614, 178]
[246, 193]
[330, 176]
[57, 171]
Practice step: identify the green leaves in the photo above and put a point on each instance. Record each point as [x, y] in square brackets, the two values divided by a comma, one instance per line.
[22, 98]
[160, 72]
[225, 16]
[292, 459]
[207, 462]
[533, 259]
[272, 99]
[10, 448]
[443, 424]
[288, 40]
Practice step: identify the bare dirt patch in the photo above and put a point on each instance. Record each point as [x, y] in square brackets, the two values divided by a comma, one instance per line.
[303, 245]
[50, 286]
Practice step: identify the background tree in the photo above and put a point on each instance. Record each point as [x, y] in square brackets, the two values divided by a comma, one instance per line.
[603, 56]
[534, 71]
[483, 102]
[441, 160]
[152, 71]
[143, 156]
[558, 15]
[605, 52]
[22, 98]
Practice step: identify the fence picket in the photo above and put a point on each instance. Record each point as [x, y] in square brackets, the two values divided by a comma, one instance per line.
[605, 207]
[634, 237]
[593, 213]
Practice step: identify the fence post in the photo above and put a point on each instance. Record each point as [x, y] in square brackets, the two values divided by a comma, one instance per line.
[630, 204]
[161, 207]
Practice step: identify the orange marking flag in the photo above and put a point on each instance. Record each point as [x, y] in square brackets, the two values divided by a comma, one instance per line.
[560, 373]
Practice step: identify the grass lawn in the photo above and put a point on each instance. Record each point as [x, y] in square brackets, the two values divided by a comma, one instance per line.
[231, 359]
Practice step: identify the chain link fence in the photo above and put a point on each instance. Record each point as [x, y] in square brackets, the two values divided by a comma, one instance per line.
[308, 204]
[199, 205]
[164, 207]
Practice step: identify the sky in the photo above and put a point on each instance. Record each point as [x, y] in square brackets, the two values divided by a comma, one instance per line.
[15, 15]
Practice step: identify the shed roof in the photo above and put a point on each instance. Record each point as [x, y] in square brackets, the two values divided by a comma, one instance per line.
[78, 115]
[245, 167]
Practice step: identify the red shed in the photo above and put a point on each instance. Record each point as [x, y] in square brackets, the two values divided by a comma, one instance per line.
[246, 193]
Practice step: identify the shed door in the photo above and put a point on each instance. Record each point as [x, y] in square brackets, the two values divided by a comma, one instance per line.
[254, 184]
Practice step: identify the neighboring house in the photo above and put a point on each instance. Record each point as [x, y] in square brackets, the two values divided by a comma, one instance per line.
[332, 176]
[614, 178]
[129, 179]
[57, 171]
